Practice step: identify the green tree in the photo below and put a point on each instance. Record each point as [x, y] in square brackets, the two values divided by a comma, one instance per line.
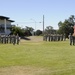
[50, 30]
[66, 27]
[38, 32]
[28, 31]
[16, 30]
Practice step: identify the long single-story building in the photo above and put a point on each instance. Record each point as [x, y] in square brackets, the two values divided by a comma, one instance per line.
[5, 25]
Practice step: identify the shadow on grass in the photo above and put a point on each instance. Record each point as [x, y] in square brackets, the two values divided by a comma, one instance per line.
[26, 38]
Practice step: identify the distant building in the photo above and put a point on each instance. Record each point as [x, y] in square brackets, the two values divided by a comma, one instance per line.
[5, 25]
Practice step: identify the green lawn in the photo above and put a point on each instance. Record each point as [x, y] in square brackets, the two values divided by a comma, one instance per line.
[57, 58]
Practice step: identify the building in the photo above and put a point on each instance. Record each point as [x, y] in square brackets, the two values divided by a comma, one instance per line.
[5, 25]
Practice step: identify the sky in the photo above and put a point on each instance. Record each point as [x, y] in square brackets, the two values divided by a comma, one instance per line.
[30, 12]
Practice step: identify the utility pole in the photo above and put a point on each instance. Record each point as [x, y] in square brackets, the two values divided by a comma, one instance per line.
[43, 27]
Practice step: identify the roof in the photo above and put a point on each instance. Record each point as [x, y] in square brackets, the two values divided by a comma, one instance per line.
[3, 17]
[11, 20]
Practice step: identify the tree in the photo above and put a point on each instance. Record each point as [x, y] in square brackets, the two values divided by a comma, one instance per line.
[28, 31]
[59, 24]
[66, 27]
[16, 30]
[71, 19]
[50, 30]
[38, 32]
[22, 32]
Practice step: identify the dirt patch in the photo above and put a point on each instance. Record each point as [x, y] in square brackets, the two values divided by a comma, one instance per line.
[21, 70]
[24, 70]
[34, 38]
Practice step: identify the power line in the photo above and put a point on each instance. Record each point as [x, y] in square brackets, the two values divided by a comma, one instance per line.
[27, 22]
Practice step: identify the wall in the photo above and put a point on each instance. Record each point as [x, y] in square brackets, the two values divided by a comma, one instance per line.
[7, 22]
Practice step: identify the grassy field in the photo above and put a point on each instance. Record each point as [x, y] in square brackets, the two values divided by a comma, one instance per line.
[37, 58]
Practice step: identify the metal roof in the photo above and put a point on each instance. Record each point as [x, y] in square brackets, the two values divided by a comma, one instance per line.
[3, 17]
[11, 20]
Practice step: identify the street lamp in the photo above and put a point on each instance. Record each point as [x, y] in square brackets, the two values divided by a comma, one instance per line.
[43, 28]
[35, 24]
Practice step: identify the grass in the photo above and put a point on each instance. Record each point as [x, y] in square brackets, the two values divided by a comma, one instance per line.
[42, 58]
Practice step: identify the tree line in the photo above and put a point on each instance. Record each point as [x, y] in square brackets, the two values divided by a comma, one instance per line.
[27, 31]
[65, 27]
